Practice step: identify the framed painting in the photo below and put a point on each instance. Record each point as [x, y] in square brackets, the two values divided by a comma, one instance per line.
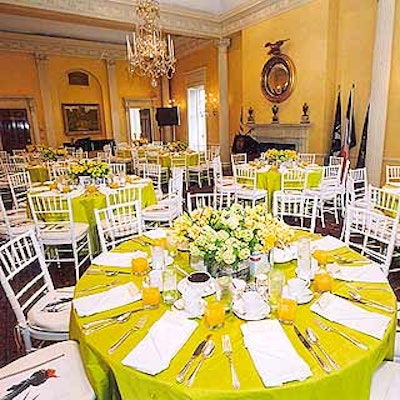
[81, 118]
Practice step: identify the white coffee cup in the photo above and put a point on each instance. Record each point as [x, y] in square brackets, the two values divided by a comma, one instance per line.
[199, 279]
[192, 301]
[252, 303]
[297, 286]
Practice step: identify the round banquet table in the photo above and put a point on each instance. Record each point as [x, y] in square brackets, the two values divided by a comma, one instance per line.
[111, 379]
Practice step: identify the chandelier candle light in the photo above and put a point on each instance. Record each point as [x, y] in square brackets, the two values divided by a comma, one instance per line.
[150, 54]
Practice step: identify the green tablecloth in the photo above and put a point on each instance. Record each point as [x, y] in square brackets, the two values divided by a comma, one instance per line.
[271, 180]
[213, 382]
[38, 173]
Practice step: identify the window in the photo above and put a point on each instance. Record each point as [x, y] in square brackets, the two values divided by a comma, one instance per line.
[197, 126]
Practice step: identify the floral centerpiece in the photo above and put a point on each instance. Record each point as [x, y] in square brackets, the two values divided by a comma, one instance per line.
[177, 146]
[47, 153]
[275, 155]
[225, 238]
[139, 142]
[90, 168]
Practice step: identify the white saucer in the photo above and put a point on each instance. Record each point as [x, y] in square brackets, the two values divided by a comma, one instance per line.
[178, 305]
[208, 290]
[305, 298]
[261, 314]
[284, 255]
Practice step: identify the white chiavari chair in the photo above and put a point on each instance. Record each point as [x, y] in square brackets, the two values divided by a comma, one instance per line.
[385, 383]
[58, 169]
[295, 209]
[335, 160]
[293, 180]
[127, 194]
[372, 234]
[200, 200]
[383, 201]
[199, 172]
[393, 175]
[308, 158]
[80, 154]
[64, 357]
[63, 240]
[239, 158]
[159, 143]
[224, 186]
[179, 161]
[19, 184]
[246, 185]
[118, 223]
[13, 224]
[118, 168]
[19, 152]
[4, 156]
[153, 172]
[357, 187]
[30, 290]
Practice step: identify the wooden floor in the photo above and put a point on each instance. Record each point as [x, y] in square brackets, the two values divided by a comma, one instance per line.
[65, 277]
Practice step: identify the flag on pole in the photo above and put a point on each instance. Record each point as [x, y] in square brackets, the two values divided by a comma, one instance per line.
[363, 145]
[349, 140]
[241, 123]
[337, 129]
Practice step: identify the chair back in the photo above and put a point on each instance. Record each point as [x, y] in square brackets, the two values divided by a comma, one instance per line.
[178, 161]
[19, 183]
[245, 176]
[118, 223]
[297, 210]
[239, 158]
[118, 168]
[23, 274]
[332, 174]
[308, 158]
[393, 175]
[200, 200]
[334, 160]
[357, 183]
[175, 184]
[59, 169]
[384, 201]
[153, 172]
[293, 179]
[126, 194]
[372, 234]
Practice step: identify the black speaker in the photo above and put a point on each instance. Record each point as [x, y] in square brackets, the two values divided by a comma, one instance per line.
[167, 116]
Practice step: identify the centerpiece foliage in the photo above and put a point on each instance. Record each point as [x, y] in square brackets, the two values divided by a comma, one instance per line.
[92, 168]
[227, 237]
[275, 155]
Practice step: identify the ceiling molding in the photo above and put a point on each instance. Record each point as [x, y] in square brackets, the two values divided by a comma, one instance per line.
[174, 19]
[60, 46]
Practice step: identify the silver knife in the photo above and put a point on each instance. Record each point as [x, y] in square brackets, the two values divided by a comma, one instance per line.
[139, 325]
[308, 346]
[198, 350]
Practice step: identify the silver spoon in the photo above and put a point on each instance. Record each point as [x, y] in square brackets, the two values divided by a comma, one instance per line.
[119, 320]
[315, 340]
[208, 352]
[371, 303]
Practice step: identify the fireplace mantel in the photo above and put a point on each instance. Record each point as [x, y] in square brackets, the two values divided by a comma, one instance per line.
[282, 133]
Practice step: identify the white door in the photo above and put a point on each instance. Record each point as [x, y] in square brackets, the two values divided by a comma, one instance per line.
[197, 126]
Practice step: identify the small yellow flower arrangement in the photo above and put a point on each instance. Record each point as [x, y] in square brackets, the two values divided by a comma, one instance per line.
[275, 155]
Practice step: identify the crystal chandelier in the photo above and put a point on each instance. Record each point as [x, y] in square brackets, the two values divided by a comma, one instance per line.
[149, 54]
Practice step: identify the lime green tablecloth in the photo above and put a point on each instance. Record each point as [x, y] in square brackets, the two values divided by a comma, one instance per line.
[192, 159]
[271, 180]
[38, 174]
[213, 382]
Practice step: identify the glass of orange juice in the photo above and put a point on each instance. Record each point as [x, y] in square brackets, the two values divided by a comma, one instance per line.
[151, 296]
[214, 315]
[139, 266]
[321, 257]
[286, 310]
[323, 281]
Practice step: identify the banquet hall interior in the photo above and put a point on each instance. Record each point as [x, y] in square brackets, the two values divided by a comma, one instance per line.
[240, 154]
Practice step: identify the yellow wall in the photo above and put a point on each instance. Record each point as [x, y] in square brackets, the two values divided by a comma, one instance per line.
[22, 80]
[206, 57]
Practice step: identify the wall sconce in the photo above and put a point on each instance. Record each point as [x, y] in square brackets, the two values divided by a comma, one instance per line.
[211, 104]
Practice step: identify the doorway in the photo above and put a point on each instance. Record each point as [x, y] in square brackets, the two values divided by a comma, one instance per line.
[197, 126]
[15, 130]
[140, 119]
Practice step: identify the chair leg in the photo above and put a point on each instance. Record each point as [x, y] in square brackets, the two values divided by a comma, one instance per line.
[322, 214]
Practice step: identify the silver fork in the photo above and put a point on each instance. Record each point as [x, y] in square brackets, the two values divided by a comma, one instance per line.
[227, 350]
[139, 325]
[102, 286]
[327, 328]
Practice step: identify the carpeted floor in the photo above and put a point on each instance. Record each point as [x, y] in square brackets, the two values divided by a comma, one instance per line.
[65, 277]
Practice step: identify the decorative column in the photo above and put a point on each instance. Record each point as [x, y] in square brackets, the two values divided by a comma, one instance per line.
[34, 120]
[114, 103]
[45, 91]
[222, 45]
[168, 132]
[380, 89]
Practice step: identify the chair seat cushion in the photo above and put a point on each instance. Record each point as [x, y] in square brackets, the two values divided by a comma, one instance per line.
[41, 318]
[17, 229]
[251, 193]
[160, 213]
[71, 382]
[61, 234]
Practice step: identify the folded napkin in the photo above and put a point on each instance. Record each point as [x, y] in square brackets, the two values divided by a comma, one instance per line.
[346, 313]
[164, 339]
[366, 273]
[114, 259]
[158, 233]
[273, 354]
[107, 300]
[327, 243]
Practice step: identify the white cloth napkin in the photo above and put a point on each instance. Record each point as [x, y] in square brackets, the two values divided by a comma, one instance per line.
[107, 300]
[273, 354]
[346, 313]
[327, 243]
[114, 259]
[158, 233]
[164, 339]
[366, 273]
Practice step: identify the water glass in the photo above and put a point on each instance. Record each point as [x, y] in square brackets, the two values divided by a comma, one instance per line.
[223, 291]
[304, 258]
[170, 293]
[262, 285]
[158, 257]
[276, 283]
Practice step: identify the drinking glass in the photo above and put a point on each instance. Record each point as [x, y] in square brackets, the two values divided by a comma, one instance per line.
[304, 258]
[223, 291]
[150, 295]
[158, 257]
[214, 315]
[170, 294]
[139, 266]
[323, 281]
[276, 283]
[286, 310]
[262, 285]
